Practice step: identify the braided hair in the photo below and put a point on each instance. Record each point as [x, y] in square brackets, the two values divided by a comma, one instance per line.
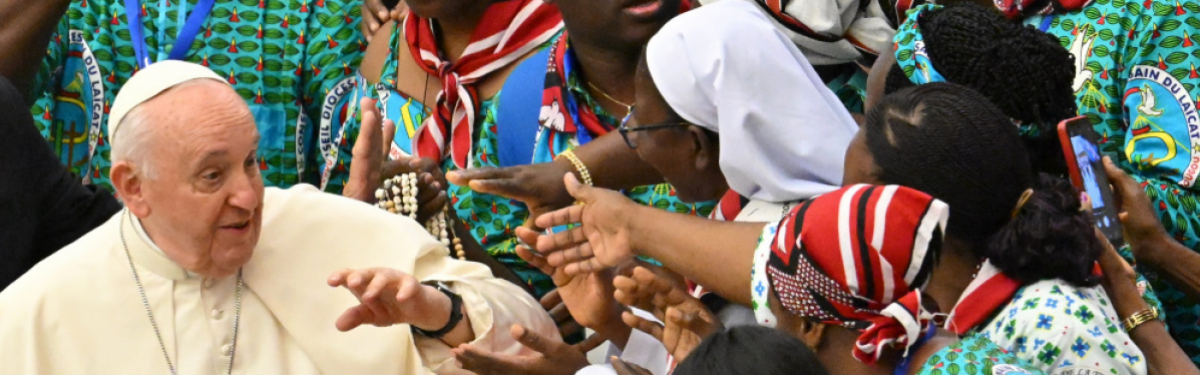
[1023, 71]
[952, 143]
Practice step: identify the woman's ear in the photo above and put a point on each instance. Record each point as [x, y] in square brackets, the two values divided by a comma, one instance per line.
[811, 333]
[706, 148]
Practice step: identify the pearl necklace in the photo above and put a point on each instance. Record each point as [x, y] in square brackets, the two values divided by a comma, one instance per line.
[399, 196]
[237, 316]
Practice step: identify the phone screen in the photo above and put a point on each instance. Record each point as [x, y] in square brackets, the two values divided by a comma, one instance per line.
[1088, 162]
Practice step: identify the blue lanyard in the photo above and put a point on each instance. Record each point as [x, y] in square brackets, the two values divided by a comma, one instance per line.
[906, 362]
[183, 42]
[581, 132]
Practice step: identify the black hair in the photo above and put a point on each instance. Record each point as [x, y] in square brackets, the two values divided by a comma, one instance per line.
[952, 143]
[751, 350]
[1025, 72]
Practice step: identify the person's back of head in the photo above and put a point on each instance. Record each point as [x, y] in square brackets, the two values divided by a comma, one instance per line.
[1026, 73]
[952, 143]
[751, 350]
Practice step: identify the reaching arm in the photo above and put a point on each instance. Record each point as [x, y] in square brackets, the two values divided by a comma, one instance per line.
[717, 255]
[25, 29]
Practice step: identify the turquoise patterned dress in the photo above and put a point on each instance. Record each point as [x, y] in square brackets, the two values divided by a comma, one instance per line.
[293, 61]
[1136, 81]
[490, 219]
[976, 355]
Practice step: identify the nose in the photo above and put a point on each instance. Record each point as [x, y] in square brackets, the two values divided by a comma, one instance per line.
[247, 192]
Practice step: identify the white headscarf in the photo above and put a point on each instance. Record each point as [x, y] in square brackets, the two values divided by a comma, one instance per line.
[726, 68]
[848, 28]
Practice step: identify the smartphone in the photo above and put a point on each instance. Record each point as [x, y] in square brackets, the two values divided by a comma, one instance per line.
[1086, 167]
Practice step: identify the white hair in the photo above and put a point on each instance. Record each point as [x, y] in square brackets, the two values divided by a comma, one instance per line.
[130, 144]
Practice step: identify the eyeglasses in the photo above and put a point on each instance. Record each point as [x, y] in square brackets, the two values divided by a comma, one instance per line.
[625, 130]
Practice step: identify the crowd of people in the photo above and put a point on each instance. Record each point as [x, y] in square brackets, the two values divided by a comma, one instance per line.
[687, 187]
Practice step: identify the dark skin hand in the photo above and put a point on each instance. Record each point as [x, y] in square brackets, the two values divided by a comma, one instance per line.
[375, 13]
[1163, 355]
[25, 29]
[686, 320]
[615, 230]
[553, 357]
[625, 368]
[1152, 246]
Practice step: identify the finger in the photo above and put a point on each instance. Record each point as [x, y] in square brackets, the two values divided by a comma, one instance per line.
[358, 280]
[339, 278]
[409, 287]
[584, 267]
[563, 240]
[378, 284]
[389, 134]
[569, 328]
[581, 192]
[1123, 185]
[649, 327]
[551, 300]
[534, 260]
[354, 317]
[463, 177]
[591, 343]
[533, 340]
[564, 216]
[624, 368]
[484, 362]
[560, 314]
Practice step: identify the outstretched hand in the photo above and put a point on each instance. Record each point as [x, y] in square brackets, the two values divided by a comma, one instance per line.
[582, 300]
[553, 356]
[686, 320]
[539, 186]
[388, 297]
[375, 14]
[602, 238]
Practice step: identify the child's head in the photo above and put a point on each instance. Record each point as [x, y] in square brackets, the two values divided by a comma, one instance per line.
[751, 350]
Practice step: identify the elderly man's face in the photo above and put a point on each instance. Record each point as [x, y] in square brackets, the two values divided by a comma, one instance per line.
[203, 205]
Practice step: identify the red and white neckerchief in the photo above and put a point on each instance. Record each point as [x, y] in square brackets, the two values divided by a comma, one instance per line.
[990, 290]
[507, 31]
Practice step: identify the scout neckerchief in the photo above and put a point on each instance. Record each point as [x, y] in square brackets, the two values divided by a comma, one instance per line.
[183, 42]
[507, 31]
[560, 109]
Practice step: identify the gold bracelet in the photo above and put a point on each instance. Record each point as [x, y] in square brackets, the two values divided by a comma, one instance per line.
[582, 169]
[1140, 317]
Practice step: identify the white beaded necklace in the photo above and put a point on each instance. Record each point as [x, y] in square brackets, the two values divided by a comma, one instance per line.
[399, 196]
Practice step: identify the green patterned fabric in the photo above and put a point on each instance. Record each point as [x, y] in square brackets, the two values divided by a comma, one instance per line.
[1137, 82]
[975, 355]
[1063, 329]
[291, 60]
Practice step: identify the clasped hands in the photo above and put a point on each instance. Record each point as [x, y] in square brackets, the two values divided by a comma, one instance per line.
[370, 165]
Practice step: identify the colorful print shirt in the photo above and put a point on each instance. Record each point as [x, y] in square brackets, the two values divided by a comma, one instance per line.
[490, 219]
[291, 60]
[976, 355]
[1137, 82]
[1062, 329]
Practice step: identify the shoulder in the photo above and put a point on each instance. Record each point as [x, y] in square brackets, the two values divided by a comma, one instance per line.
[304, 217]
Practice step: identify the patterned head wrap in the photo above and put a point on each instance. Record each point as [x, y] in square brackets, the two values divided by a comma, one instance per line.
[856, 258]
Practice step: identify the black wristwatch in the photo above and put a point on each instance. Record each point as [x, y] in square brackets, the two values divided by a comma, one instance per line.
[456, 315]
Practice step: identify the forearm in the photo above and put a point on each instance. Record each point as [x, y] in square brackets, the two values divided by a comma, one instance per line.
[441, 305]
[1163, 355]
[715, 254]
[25, 29]
[613, 165]
[1179, 264]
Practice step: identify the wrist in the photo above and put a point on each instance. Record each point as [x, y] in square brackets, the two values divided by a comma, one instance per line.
[1149, 250]
[436, 311]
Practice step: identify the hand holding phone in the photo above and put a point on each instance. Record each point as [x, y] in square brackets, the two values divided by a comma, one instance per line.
[1086, 167]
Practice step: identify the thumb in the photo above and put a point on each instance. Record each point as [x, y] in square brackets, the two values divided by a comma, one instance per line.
[531, 340]
[577, 189]
[389, 134]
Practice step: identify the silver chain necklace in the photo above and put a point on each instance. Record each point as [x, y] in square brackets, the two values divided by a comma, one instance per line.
[237, 315]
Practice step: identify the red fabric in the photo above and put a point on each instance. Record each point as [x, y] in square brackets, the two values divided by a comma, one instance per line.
[507, 31]
[1015, 9]
[555, 97]
[989, 291]
[730, 205]
[830, 262]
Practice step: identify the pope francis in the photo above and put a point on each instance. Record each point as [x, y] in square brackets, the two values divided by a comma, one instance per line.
[205, 272]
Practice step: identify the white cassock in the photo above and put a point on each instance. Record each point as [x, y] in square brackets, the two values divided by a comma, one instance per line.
[80, 312]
